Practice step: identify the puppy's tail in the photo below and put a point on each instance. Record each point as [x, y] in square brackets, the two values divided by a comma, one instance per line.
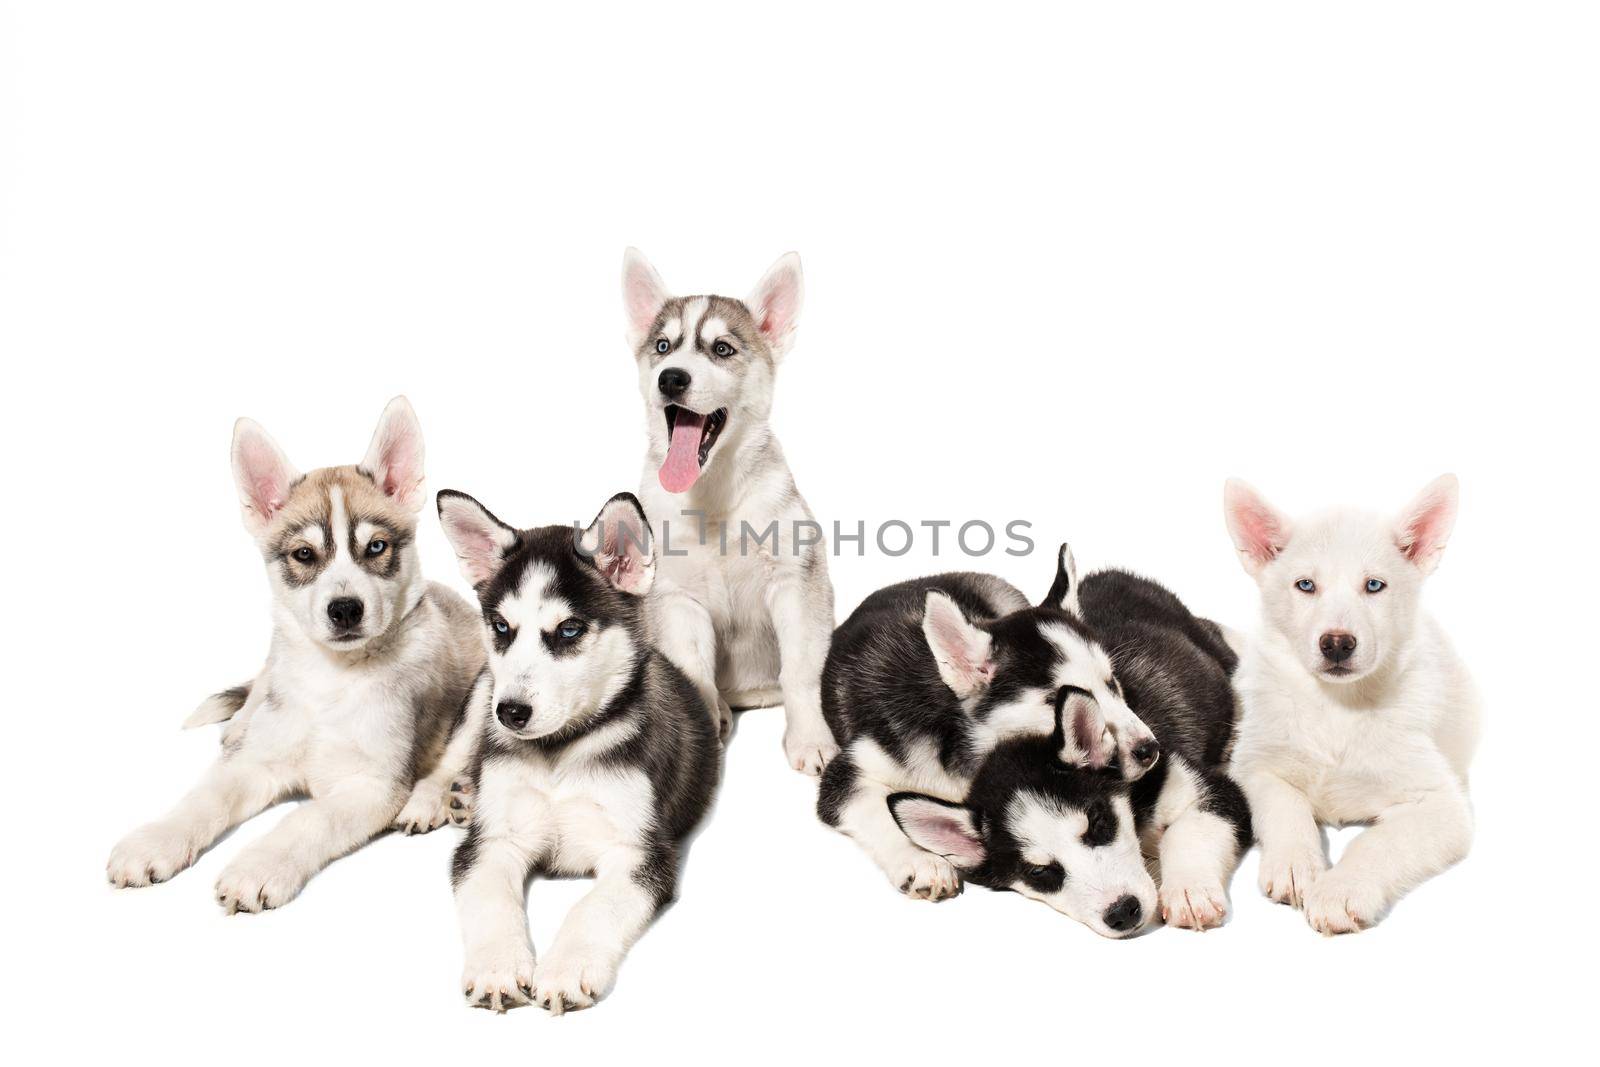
[218, 707]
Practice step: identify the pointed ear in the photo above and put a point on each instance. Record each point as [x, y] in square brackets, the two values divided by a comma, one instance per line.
[945, 829]
[618, 544]
[775, 303]
[1081, 735]
[1259, 531]
[262, 473]
[480, 540]
[1424, 526]
[1064, 590]
[643, 295]
[394, 458]
[959, 648]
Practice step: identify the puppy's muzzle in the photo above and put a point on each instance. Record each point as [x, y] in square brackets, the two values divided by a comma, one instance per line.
[673, 382]
[1337, 646]
[345, 613]
[513, 715]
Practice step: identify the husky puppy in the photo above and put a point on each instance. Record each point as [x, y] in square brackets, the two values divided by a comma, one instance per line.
[743, 604]
[926, 677]
[1356, 708]
[1048, 818]
[367, 673]
[596, 755]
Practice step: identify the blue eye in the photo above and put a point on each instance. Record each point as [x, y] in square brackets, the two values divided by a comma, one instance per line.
[1376, 585]
[663, 345]
[501, 626]
[569, 629]
[1306, 585]
[376, 546]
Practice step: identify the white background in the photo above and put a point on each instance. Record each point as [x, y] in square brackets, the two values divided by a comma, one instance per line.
[1073, 266]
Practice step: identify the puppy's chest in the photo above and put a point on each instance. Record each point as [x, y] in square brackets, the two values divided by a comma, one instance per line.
[732, 586]
[333, 722]
[574, 814]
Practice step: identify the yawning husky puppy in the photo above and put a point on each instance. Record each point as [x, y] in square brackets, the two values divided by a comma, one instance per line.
[368, 670]
[1355, 707]
[926, 677]
[743, 604]
[1042, 820]
[597, 755]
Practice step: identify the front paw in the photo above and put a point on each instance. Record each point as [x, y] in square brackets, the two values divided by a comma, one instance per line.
[572, 980]
[809, 749]
[258, 880]
[498, 978]
[924, 876]
[1339, 903]
[724, 720]
[1285, 875]
[432, 806]
[150, 854]
[1193, 906]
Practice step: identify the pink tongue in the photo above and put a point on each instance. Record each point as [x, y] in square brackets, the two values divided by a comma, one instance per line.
[681, 468]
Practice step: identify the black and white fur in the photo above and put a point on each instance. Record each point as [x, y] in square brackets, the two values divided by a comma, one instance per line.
[596, 755]
[364, 682]
[749, 627]
[926, 677]
[1041, 820]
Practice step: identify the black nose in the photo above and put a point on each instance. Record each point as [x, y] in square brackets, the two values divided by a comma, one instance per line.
[1147, 752]
[1337, 646]
[673, 383]
[513, 714]
[1124, 914]
[345, 612]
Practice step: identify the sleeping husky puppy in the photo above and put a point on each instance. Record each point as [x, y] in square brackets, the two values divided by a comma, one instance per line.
[367, 673]
[926, 677]
[596, 755]
[1040, 819]
[1356, 709]
[743, 604]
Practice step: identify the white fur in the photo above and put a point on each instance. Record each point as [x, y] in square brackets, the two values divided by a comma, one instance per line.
[1387, 743]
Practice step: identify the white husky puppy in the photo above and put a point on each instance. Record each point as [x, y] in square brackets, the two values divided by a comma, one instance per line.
[1355, 707]
[743, 604]
[369, 669]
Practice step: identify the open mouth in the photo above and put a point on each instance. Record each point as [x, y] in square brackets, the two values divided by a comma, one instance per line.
[690, 437]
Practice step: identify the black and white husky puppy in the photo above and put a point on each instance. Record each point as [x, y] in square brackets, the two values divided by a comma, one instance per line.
[596, 756]
[365, 680]
[1044, 818]
[926, 677]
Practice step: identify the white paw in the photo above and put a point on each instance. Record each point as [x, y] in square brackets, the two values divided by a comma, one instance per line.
[571, 980]
[432, 806]
[498, 978]
[1337, 903]
[150, 854]
[257, 880]
[1193, 906]
[924, 876]
[809, 749]
[1285, 876]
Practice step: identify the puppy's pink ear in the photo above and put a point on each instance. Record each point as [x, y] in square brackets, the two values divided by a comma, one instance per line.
[945, 829]
[480, 540]
[959, 648]
[394, 458]
[618, 544]
[1085, 740]
[1259, 531]
[262, 473]
[643, 295]
[1424, 526]
[775, 303]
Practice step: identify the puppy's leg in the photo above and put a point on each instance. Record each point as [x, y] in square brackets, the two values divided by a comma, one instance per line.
[445, 795]
[1198, 854]
[1408, 844]
[858, 806]
[683, 631]
[232, 791]
[271, 872]
[630, 887]
[802, 618]
[1291, 845]
[490, 872]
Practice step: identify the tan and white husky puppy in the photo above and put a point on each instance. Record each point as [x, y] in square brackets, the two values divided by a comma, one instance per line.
[1355, 707]
[743, 604]
[369, 668]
